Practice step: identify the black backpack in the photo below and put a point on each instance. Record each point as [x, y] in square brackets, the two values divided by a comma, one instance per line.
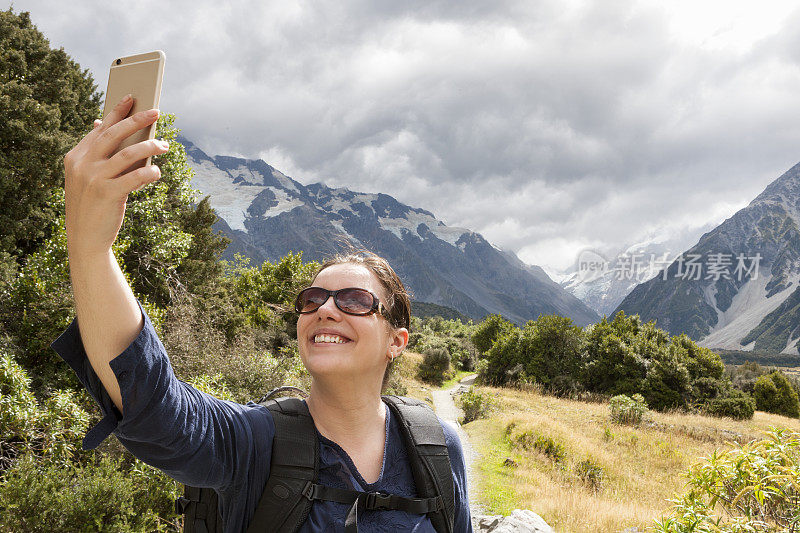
[294, 467]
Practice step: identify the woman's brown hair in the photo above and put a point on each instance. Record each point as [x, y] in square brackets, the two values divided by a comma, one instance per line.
[398, 303]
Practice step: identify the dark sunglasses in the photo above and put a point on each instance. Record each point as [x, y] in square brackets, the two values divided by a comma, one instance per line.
[352, 300]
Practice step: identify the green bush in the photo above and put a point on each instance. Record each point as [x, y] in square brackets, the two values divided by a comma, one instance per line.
[52, 428]
[531, 440]
[628, 410]
[435, 366]
[732, 403]
[590, 473]
[475, 404]
[774, 394]
[487, 332]
[42, 497]
[547, 351]
[748, 488]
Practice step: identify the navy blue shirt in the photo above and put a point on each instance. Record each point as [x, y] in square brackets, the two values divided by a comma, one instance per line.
[203, 441]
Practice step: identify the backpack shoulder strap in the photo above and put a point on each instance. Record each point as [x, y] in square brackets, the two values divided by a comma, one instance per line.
[430, 460]
[293, 466]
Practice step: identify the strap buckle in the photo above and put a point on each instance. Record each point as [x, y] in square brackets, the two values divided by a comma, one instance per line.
[308, 490]
[181, 504]
[377, 501]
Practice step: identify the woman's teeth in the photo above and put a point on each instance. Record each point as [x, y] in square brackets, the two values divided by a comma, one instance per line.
[329, 338]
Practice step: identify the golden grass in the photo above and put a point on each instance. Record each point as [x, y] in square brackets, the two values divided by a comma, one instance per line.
[642, 467]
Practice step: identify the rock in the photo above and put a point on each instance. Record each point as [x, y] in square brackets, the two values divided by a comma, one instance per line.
[510, 462]
[519, 521]
[485, 523]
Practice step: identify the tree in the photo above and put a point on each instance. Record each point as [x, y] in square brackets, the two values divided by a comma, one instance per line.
[47, 103]
[774, 394]
[611, 363]
[155, 241]
[487, 332]
[552, 347]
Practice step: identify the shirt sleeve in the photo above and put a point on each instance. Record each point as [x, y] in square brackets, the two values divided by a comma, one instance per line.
[462, 521]
[197, 439]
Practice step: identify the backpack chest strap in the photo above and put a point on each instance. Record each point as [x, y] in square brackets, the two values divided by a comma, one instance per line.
[370, 501]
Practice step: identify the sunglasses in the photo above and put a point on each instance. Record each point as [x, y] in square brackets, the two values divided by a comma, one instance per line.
[352, 300]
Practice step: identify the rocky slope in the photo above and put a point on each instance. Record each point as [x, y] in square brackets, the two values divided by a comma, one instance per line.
[737, 288]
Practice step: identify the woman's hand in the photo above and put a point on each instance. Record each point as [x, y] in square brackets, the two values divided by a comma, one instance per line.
[96, 188]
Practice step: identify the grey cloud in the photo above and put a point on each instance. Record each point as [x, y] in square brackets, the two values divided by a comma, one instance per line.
[528, 120]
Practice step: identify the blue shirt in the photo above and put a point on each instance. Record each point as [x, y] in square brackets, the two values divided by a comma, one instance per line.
[203, 441]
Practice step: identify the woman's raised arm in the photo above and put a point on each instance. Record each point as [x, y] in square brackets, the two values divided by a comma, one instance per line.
[96, 190]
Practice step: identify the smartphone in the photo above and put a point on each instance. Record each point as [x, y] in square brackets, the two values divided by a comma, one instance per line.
[140, 76]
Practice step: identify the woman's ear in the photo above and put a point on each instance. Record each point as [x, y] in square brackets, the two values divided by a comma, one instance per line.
[398, 340]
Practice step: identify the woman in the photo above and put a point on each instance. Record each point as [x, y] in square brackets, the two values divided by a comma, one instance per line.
[206, 442]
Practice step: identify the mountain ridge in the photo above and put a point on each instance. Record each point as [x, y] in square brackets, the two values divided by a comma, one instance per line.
[267, 214]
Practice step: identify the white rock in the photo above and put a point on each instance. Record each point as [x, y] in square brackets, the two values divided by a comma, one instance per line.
[519, 521]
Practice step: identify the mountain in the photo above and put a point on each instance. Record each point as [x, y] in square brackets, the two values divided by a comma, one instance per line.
[267, 214]
[602, 281]
[737, 288]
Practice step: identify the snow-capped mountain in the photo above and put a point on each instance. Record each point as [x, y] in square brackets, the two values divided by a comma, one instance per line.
[267, 214]
[602, 281]
[738, 288]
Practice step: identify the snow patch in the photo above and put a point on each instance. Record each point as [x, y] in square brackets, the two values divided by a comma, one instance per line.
[247, 175]
[412, 221]
[285, 203]
[229, 200]
[284, 181]
[748, 307]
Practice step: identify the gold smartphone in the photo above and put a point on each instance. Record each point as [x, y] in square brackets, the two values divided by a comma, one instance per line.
[140, 76]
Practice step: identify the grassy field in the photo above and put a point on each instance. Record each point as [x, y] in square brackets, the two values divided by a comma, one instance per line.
[593, 475]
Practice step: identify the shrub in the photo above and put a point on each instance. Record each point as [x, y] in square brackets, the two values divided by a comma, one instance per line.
[52, 428]
[475, 404]
[481, 368]
[245, 367]
[751, 487]
[590, 473]
[487, 332]
[774, 394]
[435, 366]
[531, 440]
[628, 410]
[612, 364]
[732, 403]
[43, 497]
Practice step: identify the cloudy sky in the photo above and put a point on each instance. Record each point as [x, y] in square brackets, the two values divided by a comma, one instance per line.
[549, 126]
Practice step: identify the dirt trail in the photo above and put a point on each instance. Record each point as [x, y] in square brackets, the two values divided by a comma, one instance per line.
[446, 408]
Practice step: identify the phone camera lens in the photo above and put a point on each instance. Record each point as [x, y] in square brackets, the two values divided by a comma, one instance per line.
[119, 61]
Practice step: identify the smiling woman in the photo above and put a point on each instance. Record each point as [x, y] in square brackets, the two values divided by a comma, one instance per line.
[381, 464]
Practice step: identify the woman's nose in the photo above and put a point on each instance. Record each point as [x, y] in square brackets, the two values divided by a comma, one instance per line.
[328, 309]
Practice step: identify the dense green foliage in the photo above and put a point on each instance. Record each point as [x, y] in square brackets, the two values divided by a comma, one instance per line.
[774, 394]
[546, 351]
[489, 330]
[732, 403]
[452, 335]
[46, 104]
[749, 488]
[101, 494]
[435, 366]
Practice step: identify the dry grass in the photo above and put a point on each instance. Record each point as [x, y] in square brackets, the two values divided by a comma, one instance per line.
[641, 467]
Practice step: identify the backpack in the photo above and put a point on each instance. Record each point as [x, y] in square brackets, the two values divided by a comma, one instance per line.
[294, 467]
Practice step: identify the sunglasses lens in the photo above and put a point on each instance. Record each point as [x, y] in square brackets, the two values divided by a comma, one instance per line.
[355, 301]
[310, 299]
